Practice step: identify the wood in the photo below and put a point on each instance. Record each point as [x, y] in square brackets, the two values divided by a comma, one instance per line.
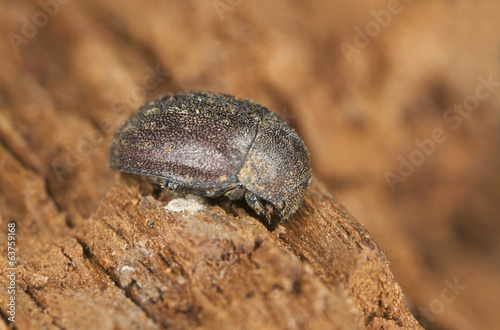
[136, 264]
[97, 249]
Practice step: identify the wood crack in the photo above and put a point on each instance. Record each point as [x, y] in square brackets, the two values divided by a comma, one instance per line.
[126, 290]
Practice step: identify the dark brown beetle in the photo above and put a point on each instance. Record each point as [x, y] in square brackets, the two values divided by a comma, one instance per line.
[215, 144]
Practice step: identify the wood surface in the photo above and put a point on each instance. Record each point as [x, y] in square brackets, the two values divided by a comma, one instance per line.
[100, 249]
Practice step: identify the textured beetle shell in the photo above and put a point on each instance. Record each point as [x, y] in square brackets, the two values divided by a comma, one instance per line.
[211, 144]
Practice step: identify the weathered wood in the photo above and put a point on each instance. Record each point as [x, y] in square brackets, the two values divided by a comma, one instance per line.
[96, 249]
[134, 262]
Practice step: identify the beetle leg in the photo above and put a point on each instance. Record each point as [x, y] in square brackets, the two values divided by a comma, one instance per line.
[163, 183]
[235, 193]
[255, 204]
[156, 180]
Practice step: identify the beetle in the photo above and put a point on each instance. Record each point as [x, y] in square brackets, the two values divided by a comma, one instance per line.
[216, 144]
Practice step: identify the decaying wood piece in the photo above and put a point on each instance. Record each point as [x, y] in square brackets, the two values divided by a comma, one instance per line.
[96, 249]
[137, 263]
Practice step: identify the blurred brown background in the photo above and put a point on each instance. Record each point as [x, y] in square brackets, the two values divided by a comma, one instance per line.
[360, 82]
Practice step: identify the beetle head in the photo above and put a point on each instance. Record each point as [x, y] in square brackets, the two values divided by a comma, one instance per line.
[289, 205]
